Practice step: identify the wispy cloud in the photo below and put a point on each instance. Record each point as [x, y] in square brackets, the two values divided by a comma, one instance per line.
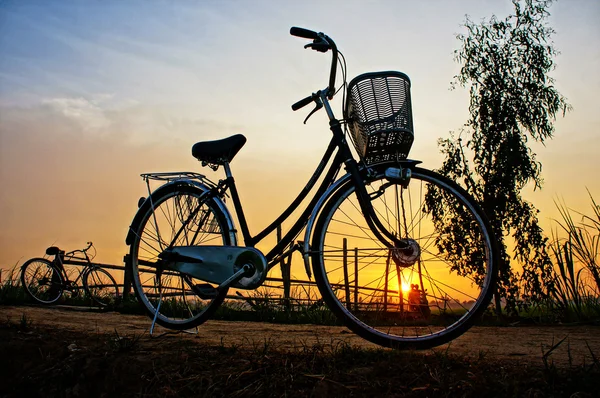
[89, 115]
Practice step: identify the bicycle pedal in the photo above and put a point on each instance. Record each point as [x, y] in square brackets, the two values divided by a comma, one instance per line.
[205, 291]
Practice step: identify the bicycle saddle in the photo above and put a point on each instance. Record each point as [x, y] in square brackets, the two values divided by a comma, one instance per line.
[52, 251]
[218, 151]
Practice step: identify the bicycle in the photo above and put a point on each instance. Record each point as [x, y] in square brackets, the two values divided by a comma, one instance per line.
[385, 224]
[46, 281]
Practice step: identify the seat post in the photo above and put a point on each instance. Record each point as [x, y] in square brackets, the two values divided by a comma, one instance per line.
[238, 205]
[227, 169]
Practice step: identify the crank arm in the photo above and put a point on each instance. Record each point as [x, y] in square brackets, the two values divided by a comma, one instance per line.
[246, 270]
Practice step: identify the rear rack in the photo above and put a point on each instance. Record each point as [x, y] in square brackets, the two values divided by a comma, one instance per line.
[176, 176]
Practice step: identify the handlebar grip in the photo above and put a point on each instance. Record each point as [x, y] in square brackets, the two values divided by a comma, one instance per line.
[301, 32]
[302, 103]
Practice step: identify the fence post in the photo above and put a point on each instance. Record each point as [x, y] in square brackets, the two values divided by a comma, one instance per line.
[346, 279]
[285, 274]
[400, 292]
[356, 279]
[386, 282]
[127, 277]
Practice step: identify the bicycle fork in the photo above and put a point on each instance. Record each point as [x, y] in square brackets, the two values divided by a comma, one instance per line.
[393, 174]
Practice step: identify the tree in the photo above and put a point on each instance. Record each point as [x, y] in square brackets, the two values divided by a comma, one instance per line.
[506, 65]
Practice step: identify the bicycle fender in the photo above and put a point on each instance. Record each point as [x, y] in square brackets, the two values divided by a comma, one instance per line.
[147, 203]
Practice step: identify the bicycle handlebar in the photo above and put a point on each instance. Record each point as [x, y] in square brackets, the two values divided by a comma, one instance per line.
[73, 252]
[301, 32]
[302, 103]
[322, 43]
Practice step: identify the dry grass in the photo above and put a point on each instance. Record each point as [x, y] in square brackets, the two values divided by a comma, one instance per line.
[60, 363]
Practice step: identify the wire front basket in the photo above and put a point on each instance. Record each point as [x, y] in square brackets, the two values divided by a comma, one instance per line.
[379, 115]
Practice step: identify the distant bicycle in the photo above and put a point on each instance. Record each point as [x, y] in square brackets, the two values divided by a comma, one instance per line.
[45, 281]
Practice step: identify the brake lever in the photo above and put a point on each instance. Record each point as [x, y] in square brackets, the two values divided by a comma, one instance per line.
[319, 105]
[320, 46]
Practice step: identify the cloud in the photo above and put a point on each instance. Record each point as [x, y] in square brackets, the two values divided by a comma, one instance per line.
[111, 117]
[87, 114]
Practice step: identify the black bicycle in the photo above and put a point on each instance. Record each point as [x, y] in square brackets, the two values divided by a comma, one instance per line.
[46, 281]
[384, 238]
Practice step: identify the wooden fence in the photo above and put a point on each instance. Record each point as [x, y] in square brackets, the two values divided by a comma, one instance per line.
[349, 288]
[284, 283]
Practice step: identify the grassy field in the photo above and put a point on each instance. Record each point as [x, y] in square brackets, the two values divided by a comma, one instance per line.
[42, 361]
[58, 361]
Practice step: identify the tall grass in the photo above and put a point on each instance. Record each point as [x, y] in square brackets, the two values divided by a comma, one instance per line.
[11, 291]
[584, 237]
[264, 304]
[575, 291]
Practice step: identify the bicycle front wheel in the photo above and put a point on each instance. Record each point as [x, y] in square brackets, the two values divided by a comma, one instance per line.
[42, 281]
[422, 293]
[182, 214]
[101, 287]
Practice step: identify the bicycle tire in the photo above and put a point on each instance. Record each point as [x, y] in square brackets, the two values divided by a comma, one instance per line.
[451, 271]
[103, 289]
[42, 281]
[185, 307]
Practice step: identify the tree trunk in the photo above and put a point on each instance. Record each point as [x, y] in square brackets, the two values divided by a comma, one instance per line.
[498, 302]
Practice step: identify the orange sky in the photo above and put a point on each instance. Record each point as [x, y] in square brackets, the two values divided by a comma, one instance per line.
[91, 97]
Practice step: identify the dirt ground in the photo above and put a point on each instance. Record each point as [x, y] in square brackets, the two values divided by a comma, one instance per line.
[523, 344]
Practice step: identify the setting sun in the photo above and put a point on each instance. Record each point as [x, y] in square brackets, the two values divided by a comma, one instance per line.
[405, 286]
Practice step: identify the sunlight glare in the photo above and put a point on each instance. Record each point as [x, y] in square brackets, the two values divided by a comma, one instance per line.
[405, 286]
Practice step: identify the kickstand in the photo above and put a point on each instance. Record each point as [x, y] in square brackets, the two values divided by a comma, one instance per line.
[196, 331]
[156, 314]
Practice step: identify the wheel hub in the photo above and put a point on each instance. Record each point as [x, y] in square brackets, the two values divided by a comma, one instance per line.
[405, 257]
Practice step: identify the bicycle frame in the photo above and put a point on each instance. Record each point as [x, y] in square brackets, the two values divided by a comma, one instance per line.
[343, 156]
[250, 240]
[59, 264]
[356, 174]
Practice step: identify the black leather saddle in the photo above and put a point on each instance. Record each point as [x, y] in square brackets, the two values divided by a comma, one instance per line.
[218, 151]
[53, 251]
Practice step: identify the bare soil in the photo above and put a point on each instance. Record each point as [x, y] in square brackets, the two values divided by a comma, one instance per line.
[525, 343]
[67, 351]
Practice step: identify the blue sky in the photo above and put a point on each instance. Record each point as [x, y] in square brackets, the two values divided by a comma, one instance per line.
[93, 93]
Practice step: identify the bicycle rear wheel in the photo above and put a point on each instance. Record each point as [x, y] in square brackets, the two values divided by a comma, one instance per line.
[42, 281]
[415, 297]
[178, 212]
[101, 287]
